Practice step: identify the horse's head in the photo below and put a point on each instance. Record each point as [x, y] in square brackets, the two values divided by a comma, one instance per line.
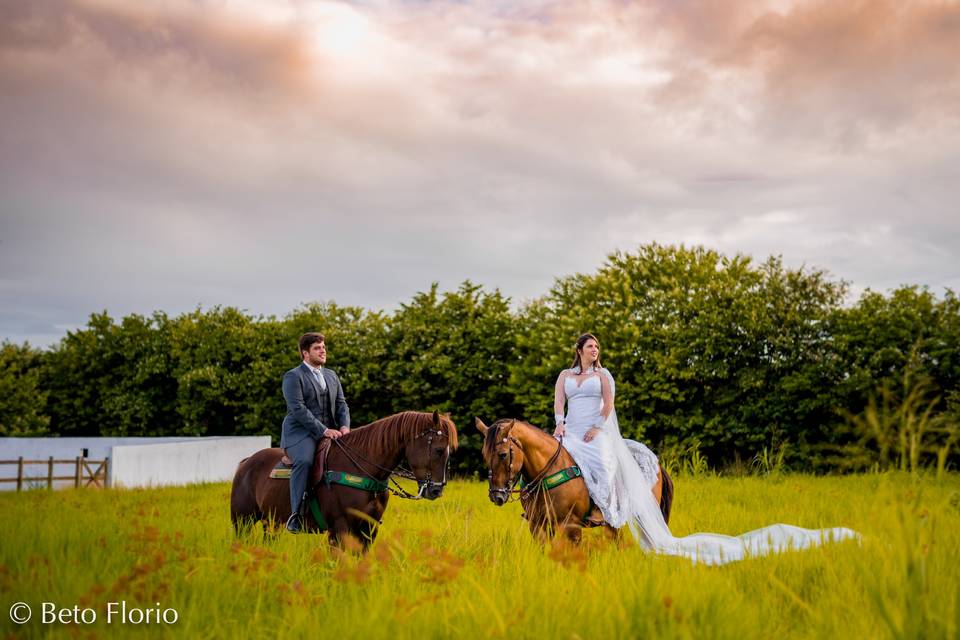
[503, 454]
[428, 454]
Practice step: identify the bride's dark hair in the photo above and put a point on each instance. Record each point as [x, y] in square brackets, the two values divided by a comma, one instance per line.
[582, 340]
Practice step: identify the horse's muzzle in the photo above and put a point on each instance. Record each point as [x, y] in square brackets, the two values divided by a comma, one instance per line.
[431, 490]
[499, 497]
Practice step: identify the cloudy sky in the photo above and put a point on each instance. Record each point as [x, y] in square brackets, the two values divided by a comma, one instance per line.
[164, 155]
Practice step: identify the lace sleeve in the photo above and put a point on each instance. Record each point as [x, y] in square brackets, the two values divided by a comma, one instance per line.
[559, 397]
[609, 376]
[607, 391]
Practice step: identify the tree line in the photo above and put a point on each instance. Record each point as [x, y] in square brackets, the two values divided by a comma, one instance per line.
[722, 355]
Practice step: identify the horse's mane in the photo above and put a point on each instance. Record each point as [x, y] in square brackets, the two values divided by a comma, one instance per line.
[490, 440]
[387, 435]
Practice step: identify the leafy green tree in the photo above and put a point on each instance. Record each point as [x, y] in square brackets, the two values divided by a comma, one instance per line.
[210, 354]
[882, 340]
[79, 374]
[451, 353]
[703, 347]
[22, 401]
[357, 347]
[720, 355]
[115, 379]
[882, 337]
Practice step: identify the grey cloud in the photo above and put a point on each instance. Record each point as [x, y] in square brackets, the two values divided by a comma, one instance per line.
[161, 159]
[223, 47]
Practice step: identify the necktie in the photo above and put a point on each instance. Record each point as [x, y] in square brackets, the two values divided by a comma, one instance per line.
[320, 380]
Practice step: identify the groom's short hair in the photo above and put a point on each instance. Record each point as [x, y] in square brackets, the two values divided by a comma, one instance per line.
[308, 339]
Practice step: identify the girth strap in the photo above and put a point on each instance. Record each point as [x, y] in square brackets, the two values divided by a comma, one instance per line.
[554, 480]
[347, 480]
[317, 516]
[354, 481]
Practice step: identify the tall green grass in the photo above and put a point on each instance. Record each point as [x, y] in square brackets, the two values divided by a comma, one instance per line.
[901, 429]
[460, 567]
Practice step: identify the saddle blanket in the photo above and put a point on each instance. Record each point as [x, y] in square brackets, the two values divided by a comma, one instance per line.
[282, 470]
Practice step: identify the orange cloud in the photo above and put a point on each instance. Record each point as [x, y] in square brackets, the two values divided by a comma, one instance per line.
[872, 64]
[214, 47]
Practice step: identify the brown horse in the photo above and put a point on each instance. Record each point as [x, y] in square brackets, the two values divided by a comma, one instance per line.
[551, 501]
[365, 457]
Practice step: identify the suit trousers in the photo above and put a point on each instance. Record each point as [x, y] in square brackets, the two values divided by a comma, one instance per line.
[302, 455]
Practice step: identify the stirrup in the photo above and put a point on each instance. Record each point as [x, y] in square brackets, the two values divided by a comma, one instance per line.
[295, 523]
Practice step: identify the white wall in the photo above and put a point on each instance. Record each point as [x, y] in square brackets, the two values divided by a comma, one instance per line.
[144, 461]
[174, 463]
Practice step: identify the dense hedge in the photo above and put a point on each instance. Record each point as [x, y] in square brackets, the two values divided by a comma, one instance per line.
[729, 353]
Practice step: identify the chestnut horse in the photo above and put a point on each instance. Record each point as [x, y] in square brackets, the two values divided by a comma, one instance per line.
[555, 496]
[365, 457]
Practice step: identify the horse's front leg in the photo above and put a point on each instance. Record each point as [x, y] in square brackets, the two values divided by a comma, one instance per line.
[539, 523]
[573, 531]
[338, 531]
[571, 524]
[359, 520]
[367, 524]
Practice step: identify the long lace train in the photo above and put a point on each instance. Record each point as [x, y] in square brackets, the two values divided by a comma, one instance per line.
[646, 522]
[622, 484]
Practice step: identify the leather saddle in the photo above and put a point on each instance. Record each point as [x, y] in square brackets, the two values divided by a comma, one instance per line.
[317, 471]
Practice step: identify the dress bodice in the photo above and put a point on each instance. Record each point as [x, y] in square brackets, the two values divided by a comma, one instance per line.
[584, 402]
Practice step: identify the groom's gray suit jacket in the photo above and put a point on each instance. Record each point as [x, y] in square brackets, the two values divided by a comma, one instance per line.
[310, 410]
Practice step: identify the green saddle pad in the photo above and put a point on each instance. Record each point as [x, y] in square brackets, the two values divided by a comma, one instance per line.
[281, 471]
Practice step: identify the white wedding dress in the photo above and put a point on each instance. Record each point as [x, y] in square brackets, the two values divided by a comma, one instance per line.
[620, 475]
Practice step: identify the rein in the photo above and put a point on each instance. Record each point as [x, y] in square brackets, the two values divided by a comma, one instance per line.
[398, 490]
[535, 485]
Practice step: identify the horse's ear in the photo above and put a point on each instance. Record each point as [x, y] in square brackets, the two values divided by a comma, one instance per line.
[436, 419]
[505, 429]
[482, 428]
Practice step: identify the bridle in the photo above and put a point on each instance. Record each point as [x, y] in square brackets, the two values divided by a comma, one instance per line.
[507, 491]
[428, 484]
[533, 487]
[424, 486]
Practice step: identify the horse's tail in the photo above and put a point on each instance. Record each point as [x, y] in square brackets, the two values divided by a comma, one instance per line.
[666, 495]
[243, 502]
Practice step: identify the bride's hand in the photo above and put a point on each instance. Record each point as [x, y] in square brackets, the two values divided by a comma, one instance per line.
[560, 431]
[594, 431]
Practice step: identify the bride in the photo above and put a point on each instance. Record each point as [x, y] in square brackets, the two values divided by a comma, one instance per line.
[619, 473]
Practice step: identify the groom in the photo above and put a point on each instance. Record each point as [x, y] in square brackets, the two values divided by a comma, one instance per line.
[315, 409]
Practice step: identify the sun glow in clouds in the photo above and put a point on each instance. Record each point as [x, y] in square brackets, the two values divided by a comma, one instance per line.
[340, 31]
[487, 132]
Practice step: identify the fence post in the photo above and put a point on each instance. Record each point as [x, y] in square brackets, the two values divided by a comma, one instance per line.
[76, 476]
[20, 474]
[50, 473]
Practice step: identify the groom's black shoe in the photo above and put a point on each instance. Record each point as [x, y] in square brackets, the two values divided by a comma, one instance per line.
[295, 523]
[594, 518]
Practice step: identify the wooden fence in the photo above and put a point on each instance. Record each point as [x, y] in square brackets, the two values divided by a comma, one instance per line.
[85, 474]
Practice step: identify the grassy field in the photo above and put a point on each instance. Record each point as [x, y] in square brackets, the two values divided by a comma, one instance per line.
[460, 567]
